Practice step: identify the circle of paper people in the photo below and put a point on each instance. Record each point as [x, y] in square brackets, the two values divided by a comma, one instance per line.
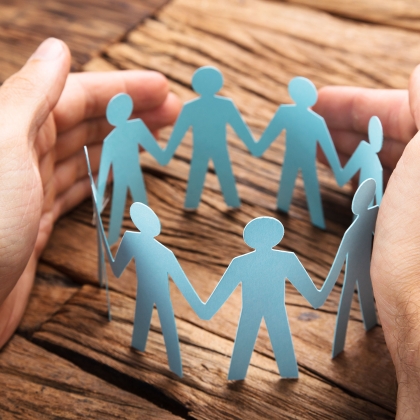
[262, 272]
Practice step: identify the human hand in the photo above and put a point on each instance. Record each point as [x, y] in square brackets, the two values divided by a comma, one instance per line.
[395, 267]
[46, 116]
[347, 111]
[395, 263]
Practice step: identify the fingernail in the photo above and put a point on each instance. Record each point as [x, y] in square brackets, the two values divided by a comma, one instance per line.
[50, 49]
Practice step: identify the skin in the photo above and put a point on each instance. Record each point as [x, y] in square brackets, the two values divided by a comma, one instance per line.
[46, 117]
[395, 265]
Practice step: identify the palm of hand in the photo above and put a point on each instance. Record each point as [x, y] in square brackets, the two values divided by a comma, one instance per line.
[46, 118]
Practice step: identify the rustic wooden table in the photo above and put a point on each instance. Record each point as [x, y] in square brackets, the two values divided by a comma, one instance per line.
[66, 360]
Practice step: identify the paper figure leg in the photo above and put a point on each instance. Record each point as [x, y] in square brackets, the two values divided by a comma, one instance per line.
[119, 195]
[196, 179]
[281, 339]
[137, 188]
[142, 318]
[367, 302]
[313, 197]
[343, 314]
[287, 185]
[223, 169]
[246, 335]
[170, 335]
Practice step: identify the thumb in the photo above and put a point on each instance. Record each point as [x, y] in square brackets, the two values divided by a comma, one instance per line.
[414, 95]
[29, 96]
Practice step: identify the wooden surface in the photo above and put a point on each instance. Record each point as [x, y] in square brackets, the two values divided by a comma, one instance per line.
[66, 351]
[85, 25]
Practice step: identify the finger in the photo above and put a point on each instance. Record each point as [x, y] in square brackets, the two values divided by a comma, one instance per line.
[26, 100]
[95, 130]
[72, 197]
[69, 171]
[346, 143]
[415, 95]
[350, 108]
[163, 115]
[86, 95]
[31, 94]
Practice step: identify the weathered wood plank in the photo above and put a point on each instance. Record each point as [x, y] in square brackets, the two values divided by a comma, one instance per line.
[82, 327]
[398, 13]
[51, 290]
[37, 384]
[86, 26]
[259, 46]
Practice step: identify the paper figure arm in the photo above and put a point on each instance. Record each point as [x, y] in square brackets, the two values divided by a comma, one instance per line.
[181, 280]
[335, 270]
[149, 143]
[353, 165]
[273, 130]
[181, 127]
[236, 121]
[327, 146]
[227, 284]
[104, 168]
[300, 278]
[124, 253]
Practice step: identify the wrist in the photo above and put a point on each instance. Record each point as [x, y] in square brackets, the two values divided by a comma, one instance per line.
[407, 365]
[408, 397]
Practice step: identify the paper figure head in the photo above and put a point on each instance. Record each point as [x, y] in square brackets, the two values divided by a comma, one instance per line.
[145, 219]
[376, 135]
[207, 80]
[263, 233]
[363, 196]
[119, 109]
[303, 91]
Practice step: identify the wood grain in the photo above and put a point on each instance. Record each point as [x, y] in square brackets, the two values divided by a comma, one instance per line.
[396, 13]
[86, 26]
[82, 327]
[37, 384]
[259, 46]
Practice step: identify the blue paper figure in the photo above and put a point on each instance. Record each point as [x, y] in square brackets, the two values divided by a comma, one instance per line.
[208, 115]
[355, 250]
[154, 262]
[121, 152]
[366, 159]
[263, 274]
[304, 129]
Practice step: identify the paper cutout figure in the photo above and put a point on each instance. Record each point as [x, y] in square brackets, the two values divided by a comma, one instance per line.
[208, 115]
[263, 274]
[121, 152]
[154, 262]
[366, 159]
[103, 277]
[304, 129]
[355, 250]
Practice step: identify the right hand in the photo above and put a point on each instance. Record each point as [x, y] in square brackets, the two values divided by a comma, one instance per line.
[395, 266]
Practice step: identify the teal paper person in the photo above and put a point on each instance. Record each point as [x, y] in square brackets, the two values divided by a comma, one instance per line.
[121, 152]
[208, 115]
[263, 275]
[366, 159]
[304, 129]
[154, 262]
[355, 250]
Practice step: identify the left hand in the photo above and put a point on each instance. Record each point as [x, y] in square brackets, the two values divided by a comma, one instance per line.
[46, 117]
